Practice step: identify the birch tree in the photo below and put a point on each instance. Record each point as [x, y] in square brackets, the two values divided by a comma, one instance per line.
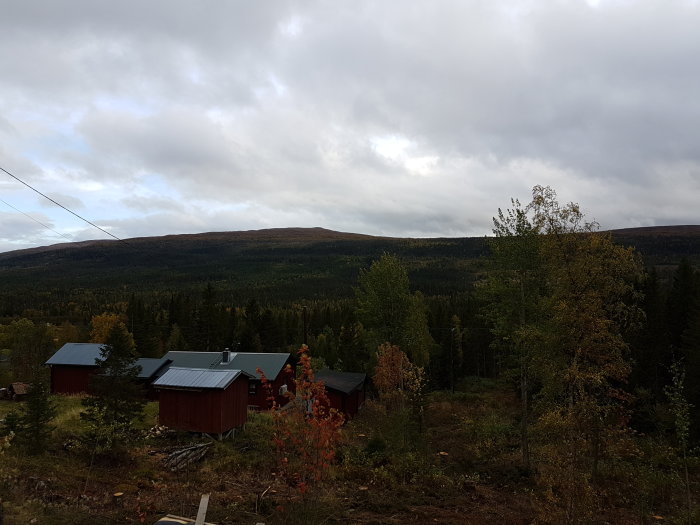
[514, 292]
[562, 296]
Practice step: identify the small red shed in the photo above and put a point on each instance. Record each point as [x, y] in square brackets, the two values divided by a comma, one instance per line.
[72, 366]
[203, 400]
[345, 390]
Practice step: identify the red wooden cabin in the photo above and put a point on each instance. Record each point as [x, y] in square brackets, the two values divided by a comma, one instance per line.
[203, 400]
[72, 366]
[345, 390]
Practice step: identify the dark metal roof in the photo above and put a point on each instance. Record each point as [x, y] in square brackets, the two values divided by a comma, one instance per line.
[150, 366]
[77, 354]
[346, 382]
[193, 359]
[198, 378]
[270, 363]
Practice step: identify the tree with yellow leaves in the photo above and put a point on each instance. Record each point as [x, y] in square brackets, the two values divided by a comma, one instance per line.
[400, 383]
[102, 325]
[566, 307]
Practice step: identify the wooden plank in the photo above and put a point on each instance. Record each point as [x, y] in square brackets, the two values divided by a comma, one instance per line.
[202, 512]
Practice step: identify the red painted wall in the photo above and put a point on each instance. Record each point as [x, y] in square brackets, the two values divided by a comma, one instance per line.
[71, 379]
[210, 411]
[335, 399]
[348, 404]
[259, 401]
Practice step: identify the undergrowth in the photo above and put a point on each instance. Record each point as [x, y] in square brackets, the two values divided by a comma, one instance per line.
[459, 465]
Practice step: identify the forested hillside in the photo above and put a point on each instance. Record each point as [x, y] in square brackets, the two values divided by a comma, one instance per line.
[526, 376]
[271, 266]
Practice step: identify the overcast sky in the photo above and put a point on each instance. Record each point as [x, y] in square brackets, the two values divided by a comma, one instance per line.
[403, 118]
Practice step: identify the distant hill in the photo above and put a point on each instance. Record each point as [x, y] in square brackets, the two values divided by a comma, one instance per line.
[274, 264]
[281, 264]
[663, 245]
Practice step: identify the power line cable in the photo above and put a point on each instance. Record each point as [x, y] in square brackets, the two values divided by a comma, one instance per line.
[147, 253]
[62, 206]
[36, 220]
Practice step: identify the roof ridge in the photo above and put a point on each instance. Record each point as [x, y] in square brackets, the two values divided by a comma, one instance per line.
[192, 352]
[204, 369]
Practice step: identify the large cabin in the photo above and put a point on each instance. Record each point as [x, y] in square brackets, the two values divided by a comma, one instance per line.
[74, 364]
[277, 367]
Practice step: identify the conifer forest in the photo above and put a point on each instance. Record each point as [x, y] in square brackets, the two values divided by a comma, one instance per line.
[547, 373]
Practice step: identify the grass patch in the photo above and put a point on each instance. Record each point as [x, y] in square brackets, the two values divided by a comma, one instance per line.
[68, 410]
[8, 406]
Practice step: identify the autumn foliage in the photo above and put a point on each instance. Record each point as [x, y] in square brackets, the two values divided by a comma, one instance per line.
[396, 378]
[306, 430]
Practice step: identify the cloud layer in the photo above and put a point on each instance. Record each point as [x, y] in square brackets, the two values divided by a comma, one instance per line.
[396, 118]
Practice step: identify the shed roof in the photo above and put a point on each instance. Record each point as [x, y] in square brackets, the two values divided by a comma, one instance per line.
[346, 382]
[77, 354]
[270, 363]
[199, 378]
[150, 366]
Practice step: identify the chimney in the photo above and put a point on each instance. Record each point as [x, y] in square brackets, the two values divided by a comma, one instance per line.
[226, 357]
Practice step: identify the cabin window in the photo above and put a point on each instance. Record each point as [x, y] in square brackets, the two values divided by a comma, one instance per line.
[252, 388]
[283, 390]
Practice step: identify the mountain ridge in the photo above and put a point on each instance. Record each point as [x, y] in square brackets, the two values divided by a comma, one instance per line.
[278, 265]
[316, 234]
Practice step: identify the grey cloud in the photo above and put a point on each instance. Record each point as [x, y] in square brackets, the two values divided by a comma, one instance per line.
[249, 124]
[69, 201]
[150, 204]
[180, 141]
[564, 83]
[18, 231]
[142, 50]
[11, 223]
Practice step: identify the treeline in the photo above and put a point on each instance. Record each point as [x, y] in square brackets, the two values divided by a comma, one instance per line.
[478, 329]
[669, 334]
[461, 332]
[208, 321]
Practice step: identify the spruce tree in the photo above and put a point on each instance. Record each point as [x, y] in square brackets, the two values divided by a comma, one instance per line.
[682, 300]
[35, 422]
[117, 399]
[690, 352]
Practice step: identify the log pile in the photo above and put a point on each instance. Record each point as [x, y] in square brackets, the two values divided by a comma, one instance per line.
[179, 459]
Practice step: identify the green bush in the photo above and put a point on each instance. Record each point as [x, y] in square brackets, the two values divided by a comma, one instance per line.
[12, 423]
[489, 435]
[376, 446]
